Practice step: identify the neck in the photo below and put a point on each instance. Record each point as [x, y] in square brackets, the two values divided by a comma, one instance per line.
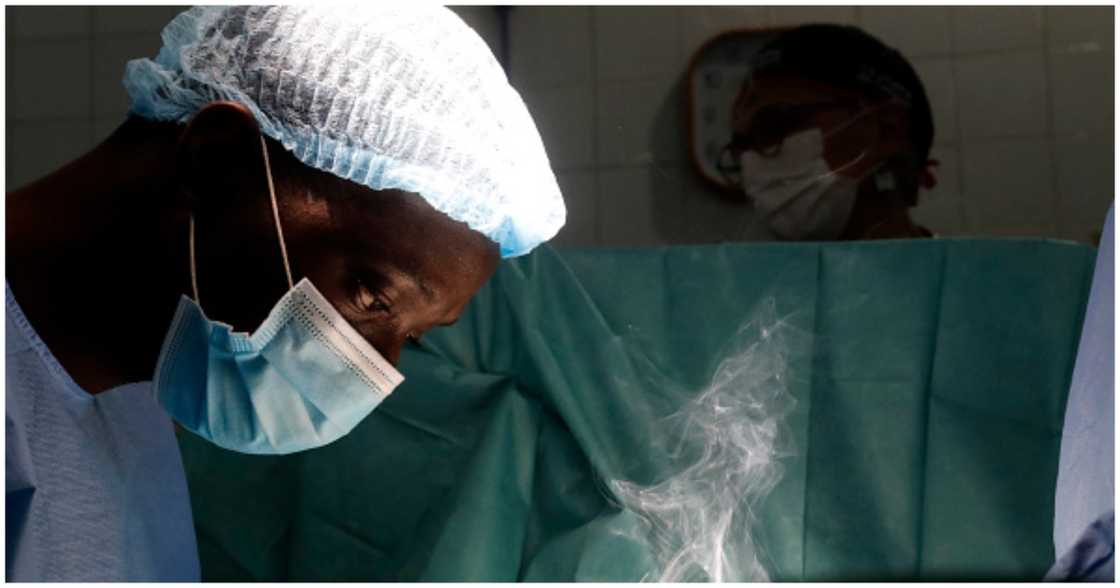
[97, 259]
[878, 216]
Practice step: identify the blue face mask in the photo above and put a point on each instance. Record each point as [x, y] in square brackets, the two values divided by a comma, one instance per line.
[304, 379]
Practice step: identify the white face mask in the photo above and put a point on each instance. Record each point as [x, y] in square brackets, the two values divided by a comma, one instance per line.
[795, 191]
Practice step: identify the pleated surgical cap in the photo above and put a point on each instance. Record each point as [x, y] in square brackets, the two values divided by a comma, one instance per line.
[391, 97]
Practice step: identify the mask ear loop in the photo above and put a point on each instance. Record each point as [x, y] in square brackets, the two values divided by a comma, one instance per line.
[843, 127]
[837, 129]
[276, 213]
[275, 217]
[194, 270]
[867, 110]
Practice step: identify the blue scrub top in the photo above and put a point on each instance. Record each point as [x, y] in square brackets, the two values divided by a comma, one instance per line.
[1084, 499]
[96, 489]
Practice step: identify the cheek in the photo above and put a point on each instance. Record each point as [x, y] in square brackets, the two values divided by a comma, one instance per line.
[388, 342]
[852, 151]
[240, 271]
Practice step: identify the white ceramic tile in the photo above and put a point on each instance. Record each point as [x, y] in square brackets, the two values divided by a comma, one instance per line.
[564, 117]
[49, 22]
[1075, 25]
[637, 42]
[1007, 187]
[550, 45]
[986, 28]
[944, 217]
[701, 23]
[941, 209]
[1081, 81]
[940, 85]
[52, 80]
[640, 122]
[110, 54]
[1002, 94]
[36, 149]
[916, 31]
[484, 20]
[579, 190]
[786, 16]
[639, 206]
[1086, 184]
[133, 19]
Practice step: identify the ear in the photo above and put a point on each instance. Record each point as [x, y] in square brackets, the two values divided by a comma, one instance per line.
[926, 178]
[219, 155]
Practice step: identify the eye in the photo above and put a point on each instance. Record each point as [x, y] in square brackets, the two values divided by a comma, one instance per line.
[367, 299]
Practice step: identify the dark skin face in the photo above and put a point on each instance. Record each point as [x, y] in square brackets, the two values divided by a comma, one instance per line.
[392, 265]
[861, 134]
[100, 280]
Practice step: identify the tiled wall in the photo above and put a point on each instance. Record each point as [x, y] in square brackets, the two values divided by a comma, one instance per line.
[64, 66]
[1022, 100]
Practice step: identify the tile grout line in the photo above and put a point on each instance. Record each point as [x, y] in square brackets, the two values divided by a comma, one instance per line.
[596, 239]
[1055, 188]
[678, 89]
[962, 211]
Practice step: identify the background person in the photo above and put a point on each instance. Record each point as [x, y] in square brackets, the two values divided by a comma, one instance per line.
[831, 137]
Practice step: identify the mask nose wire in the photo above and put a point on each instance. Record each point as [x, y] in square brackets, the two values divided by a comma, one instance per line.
[275, 217]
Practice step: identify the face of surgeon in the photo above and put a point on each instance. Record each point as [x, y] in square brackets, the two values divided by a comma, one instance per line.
[861, 135]
[779, 105]
[391, 264]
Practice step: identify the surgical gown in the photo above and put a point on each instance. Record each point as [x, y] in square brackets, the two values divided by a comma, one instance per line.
[96, 489]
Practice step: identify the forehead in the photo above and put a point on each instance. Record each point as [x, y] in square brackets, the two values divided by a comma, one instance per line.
[400, 229]
[388, 226]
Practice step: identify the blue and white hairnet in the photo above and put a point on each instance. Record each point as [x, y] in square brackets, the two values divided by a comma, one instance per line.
[391, 97]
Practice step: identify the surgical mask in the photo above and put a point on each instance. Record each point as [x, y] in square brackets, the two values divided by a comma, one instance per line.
[796, 192]
[302, 380]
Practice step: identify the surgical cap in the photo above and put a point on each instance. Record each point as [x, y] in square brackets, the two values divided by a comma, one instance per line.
[391, 97]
